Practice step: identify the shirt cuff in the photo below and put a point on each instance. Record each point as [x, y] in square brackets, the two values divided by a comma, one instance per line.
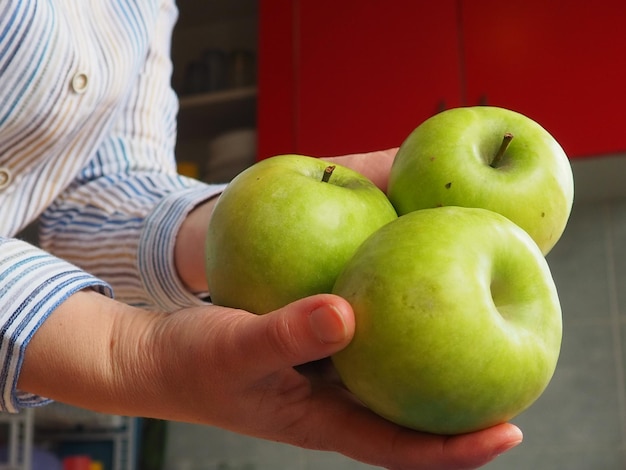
[156, 248]
[33, 284]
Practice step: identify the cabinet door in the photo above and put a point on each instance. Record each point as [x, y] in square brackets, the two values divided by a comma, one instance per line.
[562, 63]
[355, 75]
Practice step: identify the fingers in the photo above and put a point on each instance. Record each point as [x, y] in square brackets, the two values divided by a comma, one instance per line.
[266, 398]
[323, 415]
[343, 425]
[374, 165]
[483, 446]
[466, 451]
[306, 330]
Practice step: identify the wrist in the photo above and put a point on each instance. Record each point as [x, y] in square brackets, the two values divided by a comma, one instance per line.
[189, 248]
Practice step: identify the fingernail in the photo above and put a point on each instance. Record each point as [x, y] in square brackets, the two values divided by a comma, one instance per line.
[515, 441]
[328, 324]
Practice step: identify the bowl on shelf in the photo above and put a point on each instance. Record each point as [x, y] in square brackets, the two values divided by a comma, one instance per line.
[229, 154]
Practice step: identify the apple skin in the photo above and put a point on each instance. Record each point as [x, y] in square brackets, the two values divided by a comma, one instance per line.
[446, 161]
[458, 321]
[278, 233]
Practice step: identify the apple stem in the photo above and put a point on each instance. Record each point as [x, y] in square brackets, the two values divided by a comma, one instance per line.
[506, 140]
[328, 171]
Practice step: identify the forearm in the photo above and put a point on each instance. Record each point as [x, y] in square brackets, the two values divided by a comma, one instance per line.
[202, 365]
[80, 355]
[130, 245]
[100, 354]
[103, 355]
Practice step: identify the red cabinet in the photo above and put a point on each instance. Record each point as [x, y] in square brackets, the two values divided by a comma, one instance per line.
[562, 63]
[358, 75]
[347, 76]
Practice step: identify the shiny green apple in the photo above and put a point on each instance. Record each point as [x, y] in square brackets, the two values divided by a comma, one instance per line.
[458, 321]
[487, 157]
[284, 228]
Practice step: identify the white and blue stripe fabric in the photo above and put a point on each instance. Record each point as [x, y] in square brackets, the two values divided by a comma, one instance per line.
[87, 134]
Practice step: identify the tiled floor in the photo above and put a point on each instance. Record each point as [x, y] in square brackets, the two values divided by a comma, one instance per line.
[579, 423]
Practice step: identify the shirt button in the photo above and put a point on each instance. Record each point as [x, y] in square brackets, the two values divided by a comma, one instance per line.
[79, 82]
[5, 177]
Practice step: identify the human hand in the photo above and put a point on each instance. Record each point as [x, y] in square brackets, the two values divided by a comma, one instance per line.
[374, 165]
[191, 236]
[236, 371]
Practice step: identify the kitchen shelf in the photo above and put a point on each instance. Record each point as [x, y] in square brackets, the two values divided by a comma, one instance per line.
[196, 14]
[206, 115]
[121, 435]
[217, 97]
[19, 445]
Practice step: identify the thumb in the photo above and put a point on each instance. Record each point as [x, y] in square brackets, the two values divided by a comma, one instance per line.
[303, 331]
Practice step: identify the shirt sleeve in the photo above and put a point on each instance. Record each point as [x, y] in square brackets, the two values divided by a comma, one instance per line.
[120, 217]
[32, 285]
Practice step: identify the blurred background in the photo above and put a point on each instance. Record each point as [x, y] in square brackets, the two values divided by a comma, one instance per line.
[257, 79]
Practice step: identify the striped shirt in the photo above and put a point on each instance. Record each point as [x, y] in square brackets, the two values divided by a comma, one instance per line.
[87, 134]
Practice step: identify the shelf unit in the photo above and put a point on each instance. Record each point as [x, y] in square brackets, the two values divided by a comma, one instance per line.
[121, 436]
[18, 429]
[222, 25]
[206, 115]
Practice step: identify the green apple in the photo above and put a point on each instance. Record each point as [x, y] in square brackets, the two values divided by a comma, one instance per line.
[487, 157]
[458, 321]
[284, 228]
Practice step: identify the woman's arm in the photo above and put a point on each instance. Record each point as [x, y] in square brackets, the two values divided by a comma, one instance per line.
[119, 217]
[235, 370]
